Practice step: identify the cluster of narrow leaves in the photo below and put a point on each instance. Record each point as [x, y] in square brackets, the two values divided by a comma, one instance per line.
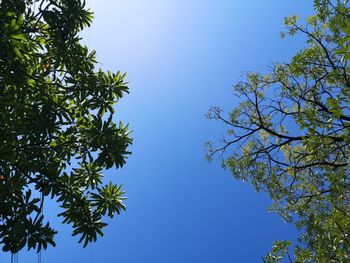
[57, 127]
[290, 137]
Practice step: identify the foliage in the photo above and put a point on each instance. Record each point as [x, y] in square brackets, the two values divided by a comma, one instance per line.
[57, 130]
[290, 136]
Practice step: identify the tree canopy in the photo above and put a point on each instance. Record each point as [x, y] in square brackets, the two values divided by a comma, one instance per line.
[57, 125]
[289, 136]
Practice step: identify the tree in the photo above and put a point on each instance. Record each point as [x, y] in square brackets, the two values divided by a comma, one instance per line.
[290, 136]
[57, 129]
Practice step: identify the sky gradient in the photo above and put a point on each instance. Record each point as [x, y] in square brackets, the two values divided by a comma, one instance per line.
[181, 57]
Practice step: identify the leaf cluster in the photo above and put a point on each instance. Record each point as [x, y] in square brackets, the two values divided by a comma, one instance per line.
[289, 137]
[57, 124]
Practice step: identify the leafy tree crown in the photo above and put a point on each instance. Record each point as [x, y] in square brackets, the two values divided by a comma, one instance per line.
[289, 136]
[57, 125]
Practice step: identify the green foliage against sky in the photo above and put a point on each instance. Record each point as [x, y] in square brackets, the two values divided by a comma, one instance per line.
[57, 125]
[290, 137]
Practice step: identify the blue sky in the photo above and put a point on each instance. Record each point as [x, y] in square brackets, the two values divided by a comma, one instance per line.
[181, 57]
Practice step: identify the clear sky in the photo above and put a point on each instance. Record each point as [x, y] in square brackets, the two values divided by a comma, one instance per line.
[181, 57]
